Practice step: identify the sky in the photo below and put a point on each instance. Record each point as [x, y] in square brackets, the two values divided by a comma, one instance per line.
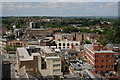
[60, 0]
[59, 8]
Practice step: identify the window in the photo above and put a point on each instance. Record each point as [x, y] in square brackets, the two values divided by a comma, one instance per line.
[59, 44]
[96, 60]
[56, 65]
[76, 44]
[96, 55]
[56, 60]
[112, 55]
[111, 66]
[56, 69]
[63, 44]
[106, 66]
[106, 60]
[102, 60]
[109, 60]
[68, 44]
[59, 47]
[107, 55]
[102, 55]
[102, 66]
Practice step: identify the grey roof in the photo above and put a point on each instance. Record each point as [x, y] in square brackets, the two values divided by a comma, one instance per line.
[69, 50]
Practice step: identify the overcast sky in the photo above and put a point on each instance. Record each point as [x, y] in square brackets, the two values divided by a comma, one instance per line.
[60, 8]
[60, 0]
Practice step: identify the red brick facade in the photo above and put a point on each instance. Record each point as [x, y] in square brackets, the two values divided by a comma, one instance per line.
[19, 43]
[102, 61]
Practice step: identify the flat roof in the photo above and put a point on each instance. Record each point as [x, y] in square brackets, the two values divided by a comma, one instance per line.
[24, 55]
[47, 49]
[52, 57]
[104, 51]
[100, 51]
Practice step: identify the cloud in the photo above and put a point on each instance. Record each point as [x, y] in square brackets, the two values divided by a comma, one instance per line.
[59, 8]
[88, 0]
[60, 0]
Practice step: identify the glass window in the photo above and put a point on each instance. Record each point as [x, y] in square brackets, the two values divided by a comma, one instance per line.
[56, 60]
[68, 44]
[107, 55]
[63, 44]
[59, 44]
[102, 60]
[56, 69]
[76, 44]
[56, 65]
[102, 55]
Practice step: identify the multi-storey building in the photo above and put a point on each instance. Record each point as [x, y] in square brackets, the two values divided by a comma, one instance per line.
[39, 58]
[102, 60]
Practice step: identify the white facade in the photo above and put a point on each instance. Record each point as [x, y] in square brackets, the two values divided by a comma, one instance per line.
[67, 44]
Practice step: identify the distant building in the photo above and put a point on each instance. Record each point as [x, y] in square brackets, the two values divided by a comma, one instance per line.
[102, 60]
[73, 36]
[40, 58]
[36, 32]
[34, 25]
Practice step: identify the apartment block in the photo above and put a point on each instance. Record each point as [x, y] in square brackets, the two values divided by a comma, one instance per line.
[102, 60]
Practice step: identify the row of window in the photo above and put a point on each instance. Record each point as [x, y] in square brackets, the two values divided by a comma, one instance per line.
[56, 60]
[56, 65]
[103, 66]
[17, 44]
[104, 56]
[68, 44]
[56, 70]
[104, 60]
[63, 47]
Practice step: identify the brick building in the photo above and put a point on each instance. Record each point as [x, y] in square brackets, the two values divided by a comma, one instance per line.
[17, 43]
[102, 60]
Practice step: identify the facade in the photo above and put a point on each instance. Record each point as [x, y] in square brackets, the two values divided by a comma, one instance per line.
[17, 43]
[67, 44]
[102, 60]
[48, 41]
[71, 37]
[33, 43]
[39, 58]
[36, 32]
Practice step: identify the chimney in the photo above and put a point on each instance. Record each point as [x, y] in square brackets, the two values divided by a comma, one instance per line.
[96, 46]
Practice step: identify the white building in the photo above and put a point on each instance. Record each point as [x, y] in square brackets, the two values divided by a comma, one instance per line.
[64, 44]
[40, 58]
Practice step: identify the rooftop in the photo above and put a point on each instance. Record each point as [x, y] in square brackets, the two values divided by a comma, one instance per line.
[90, 46]
[47, 49]
[24, 55]
[104, 51]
